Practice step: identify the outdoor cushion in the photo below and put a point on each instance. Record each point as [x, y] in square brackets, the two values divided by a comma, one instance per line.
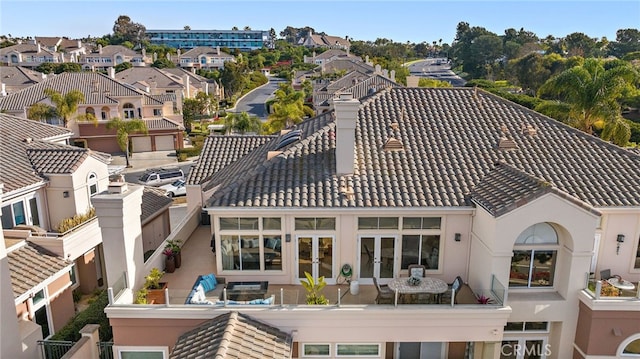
[198, 296]
[208, 282]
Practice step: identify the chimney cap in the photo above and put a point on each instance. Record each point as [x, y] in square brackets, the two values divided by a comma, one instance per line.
[117, 187]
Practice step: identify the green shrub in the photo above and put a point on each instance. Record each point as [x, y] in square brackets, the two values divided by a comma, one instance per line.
[94, 314]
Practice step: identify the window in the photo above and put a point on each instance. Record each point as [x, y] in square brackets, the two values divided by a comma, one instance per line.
[258, 248]
[92, 184]
[13, 215]
[377, 223]
[104, 113]
[631, 349]
[527, 327]
[358, 350]
[420, 249]
[142, 353]
[534, 257]
[421, 222]
[316, 350]
[315, 224]
[129, 111]
[90, 112]
[73, 276]
[637, 264]
[157, 112]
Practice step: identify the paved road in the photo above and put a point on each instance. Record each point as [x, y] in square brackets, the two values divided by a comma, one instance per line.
[131, 175]
[436, 68]
[253, 102]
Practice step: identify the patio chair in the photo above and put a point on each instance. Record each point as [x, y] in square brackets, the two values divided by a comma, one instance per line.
[605, 274]
[385, 294]
[417, 270]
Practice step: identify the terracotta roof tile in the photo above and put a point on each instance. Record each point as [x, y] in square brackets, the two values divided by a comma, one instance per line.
[450, 138]
[233, 335]
[153, 201]
[31, 265]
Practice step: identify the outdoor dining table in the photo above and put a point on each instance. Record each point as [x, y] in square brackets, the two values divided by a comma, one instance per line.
[621, 283]
[427, 285]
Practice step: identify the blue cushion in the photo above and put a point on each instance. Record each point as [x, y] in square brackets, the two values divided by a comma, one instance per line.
[208, 282]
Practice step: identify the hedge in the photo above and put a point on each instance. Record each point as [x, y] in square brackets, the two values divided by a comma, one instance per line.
[94, 314]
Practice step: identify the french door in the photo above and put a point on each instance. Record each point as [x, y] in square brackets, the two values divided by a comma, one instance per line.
[315, 255]
[376, 258]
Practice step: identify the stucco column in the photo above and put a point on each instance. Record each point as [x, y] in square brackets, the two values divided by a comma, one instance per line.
[118, 211]
[491, 350]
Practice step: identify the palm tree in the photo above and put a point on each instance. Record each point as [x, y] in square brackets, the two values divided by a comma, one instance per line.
[241, 123]
[124, 129]
[288, 109]
[67, 104]
[591, 93]
[41, 112]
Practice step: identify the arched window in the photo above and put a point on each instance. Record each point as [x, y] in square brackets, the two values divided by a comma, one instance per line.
[92, 184]
[90, 112]
[14, 58]
[129, 110]
[119, 60]
[630, 347]
[104, 113]
[534, 257]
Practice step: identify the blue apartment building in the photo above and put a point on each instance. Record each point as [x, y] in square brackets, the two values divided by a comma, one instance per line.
[245, 40]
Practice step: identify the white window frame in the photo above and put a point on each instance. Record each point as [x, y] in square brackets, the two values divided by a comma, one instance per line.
[119, 349]
[620, 352]
[357, 355]
[424, 232]
[92, 180]
[303, 355]
[260, 233]
[26, 206]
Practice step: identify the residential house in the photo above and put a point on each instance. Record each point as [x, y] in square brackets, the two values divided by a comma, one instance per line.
[72, 48]
[328, 56]
[355, 82]
[204, 57]
[15, 78]
[106, 98]
[321, 40]
[244, 40]
[112, 55]
[45, 183]
[519, 206]
[30, 54]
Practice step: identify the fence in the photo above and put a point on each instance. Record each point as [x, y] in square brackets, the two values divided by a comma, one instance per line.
[54, 349]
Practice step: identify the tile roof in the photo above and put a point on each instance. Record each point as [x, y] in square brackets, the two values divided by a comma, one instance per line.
[167, 97]
[153, 201]
[220, 151]
[31, 265]
[19, 76]
[52, 158]
[333, 53]
[348, 64]
[506, 188]
[360, 88]
[110, 50]
[16, 170]
[149, 75]
[162, 124]
[26, 49]
[450, 138]
[233, 335]
[97, 88]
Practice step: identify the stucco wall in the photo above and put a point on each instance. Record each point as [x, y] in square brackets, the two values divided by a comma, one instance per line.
[596, 334]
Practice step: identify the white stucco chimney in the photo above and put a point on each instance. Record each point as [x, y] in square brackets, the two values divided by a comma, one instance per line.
[187, 85]
[118, 211]
[112, 72]
[3, 89]
[99, 48]
[346, 110]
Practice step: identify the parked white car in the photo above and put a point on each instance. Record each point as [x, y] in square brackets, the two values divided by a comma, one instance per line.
[175, 189]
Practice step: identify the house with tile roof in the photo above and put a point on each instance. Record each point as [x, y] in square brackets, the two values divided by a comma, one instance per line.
[15, 78]
[327, 41]
[204, 57]
[523, 209]
[104, 57]
[45, 183]
[73, 48]
[105, 98]
[328, 56]
[30, 54]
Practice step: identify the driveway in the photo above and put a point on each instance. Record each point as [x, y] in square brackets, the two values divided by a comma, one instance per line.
[253, 102]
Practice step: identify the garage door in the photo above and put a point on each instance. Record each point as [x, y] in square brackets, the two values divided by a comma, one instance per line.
[141, 144]
[164, 143]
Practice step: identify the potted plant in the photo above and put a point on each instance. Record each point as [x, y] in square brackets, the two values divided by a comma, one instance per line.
[174, 244]
[155, 288]
[484, 300]
[169, 260]
[314, 289]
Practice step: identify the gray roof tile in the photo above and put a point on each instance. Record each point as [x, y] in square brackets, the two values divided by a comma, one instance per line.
[18, 76]
[153, 201]
[233, 335]
[450, 138]
[31, 265]
[16, 170]
[220, 151]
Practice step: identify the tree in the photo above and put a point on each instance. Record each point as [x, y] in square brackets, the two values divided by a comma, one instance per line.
[163, 63]
[41, 112]
[67, 104]
[187, 27]
[241, 123]
[123, 66]
[126, 30]
[592, 93]
[232, 78]
[124, 129]
[288, 109]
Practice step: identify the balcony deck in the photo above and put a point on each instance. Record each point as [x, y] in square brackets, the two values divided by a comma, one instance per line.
[198, 259]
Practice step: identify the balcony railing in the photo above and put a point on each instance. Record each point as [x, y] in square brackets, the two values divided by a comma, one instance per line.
[616, 289]
[54, 349]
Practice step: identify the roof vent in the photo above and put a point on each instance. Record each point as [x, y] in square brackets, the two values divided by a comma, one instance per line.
[394, 126]
[507, 144]
[28, 140]
[393, 144]
[289, 138]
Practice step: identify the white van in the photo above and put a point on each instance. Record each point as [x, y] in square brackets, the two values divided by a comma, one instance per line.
[160, 176]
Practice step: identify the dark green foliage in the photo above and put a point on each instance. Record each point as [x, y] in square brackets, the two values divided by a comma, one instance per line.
[123, 66]
[163, 63]
[190, 151]
[635, 131]
[94, 314]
